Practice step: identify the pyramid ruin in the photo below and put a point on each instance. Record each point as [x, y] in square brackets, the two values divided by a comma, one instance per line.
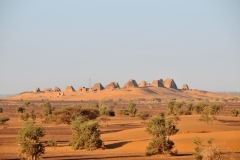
[113, 85]
[169, 83]
[143, 84]
[97, 87]
[56, 89]
[81, 89]
[37, 90]
[130, 84]
[69, 89]
[48, 90]
[158, 83]
[185, 87]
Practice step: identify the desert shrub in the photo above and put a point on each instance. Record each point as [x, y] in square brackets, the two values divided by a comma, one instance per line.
[156, 99]
[234, 113]
[224, 100]
[206, 117]
[26, 103]
[68, 114]
[207, 151]
[107, 111]
[214, 109]
[132, 109]
[24, 116]
[29, 141]
[174, 107]
[51, 143]
[143, 116]
[3, 120]
[32, 115]
[198, 108]
[140, 99]
[20, 109]
[150, 106]
[85, 134]
[1, 110]
[217, 99]
[160, 128]
[47, 111]
[231, 99]
[122, 112]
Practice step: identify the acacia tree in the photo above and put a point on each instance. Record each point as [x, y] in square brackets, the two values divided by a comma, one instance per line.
[132, 109]
[3, 120]
[85, 134]
[28, 139]
[160, 128]
[47, 111]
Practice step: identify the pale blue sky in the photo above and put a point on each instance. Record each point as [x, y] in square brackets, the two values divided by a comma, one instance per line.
[59, 43]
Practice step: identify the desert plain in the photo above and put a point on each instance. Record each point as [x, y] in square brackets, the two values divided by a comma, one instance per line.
[124, 137]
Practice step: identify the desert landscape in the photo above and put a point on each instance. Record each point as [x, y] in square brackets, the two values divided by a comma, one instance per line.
[124, 136]
[122, 79]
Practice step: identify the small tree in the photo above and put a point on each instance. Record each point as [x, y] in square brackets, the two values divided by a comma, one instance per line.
[234, 113]
[206, 117]
[85, 134]
[143, 116]
[20, 109]
[47, 111]
[29, 140]
[26, 103]
[3, 120]
[24, 116]
[132, 109]
[32, 115]
[207, 151]
[160, 128]
[68, 114]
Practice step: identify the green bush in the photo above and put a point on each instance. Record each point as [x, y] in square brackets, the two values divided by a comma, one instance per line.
[24, 116]
[85, 134]
[107, 111]
[156, 99]
[132, 109]
[160, 128]
[68, 114]
[198, 108]
[29, 141]
[143, 115]
[26, 103]
[3, 120]
[47, 111]
[32, 115]
[52, 143]
[122, 112]
[234, 113]
[214, 109]
[173, 107]
[207, 151]
[20, 109]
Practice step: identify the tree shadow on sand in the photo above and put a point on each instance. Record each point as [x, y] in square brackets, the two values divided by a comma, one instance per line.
[116, 145]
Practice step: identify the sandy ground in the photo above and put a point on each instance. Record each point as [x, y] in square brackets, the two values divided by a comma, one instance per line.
[124, 137]
[126, 94]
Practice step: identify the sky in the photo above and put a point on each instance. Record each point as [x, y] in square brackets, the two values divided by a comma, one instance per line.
[58, 43]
